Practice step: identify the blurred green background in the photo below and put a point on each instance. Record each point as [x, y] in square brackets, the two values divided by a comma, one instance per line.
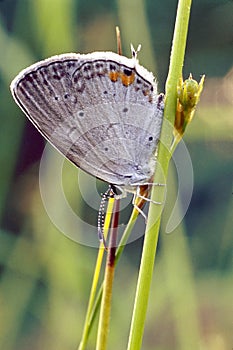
[45, 276]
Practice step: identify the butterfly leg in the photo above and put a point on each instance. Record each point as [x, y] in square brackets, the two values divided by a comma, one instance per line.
[137, 207]
[138, 195]
[146, 198]
[115, 190]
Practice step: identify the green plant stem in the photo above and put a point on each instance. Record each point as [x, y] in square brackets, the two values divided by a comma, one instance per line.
[92, 303]
[103, 327]
[164, 155]
[94, 306]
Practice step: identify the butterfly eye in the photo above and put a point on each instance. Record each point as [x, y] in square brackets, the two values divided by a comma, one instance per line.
[138, 168]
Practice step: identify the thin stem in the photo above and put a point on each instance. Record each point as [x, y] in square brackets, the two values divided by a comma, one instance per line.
[164, 155]
[92, 310]
[103, 328]
[88, 323]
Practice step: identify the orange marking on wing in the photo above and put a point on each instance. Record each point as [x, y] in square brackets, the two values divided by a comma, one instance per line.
[148, 93]
[127, 79]
[113, 76]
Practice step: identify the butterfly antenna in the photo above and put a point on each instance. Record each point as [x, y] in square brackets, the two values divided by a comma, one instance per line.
[135, 52]
[101, 216]
[118, 37]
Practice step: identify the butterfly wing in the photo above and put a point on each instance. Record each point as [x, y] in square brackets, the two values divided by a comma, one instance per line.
[99, 110]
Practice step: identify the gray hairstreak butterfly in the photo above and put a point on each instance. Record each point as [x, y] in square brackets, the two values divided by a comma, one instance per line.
[100, 110]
